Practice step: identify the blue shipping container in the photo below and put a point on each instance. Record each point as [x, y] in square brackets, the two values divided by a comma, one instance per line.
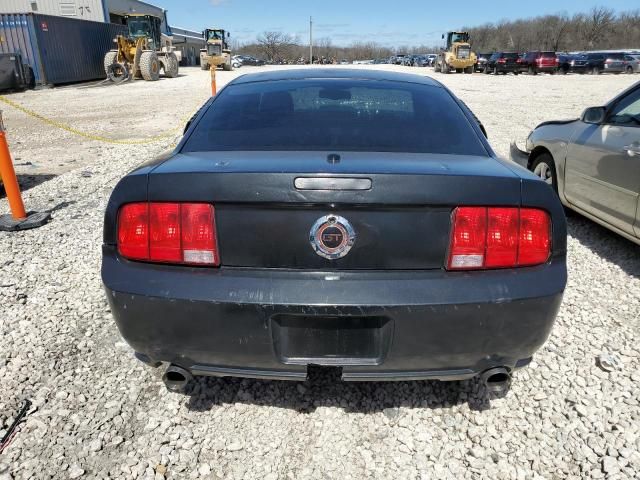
[58, 49]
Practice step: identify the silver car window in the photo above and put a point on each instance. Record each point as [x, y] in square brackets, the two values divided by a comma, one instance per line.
[627, 111]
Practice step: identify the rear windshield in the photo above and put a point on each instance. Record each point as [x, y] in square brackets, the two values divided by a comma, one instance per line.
[510, 55]
[335, 115]
[548, 54]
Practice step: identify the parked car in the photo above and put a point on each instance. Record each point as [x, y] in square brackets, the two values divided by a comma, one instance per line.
[605, 63]
[539, 62]
[572, 63]
[408, 60]
[398, 59]
[249, 60]
[396, 247]
[502, 62]
[593, 163]
[632, 63]
[236, 61]
[482, 59]
[432, 59]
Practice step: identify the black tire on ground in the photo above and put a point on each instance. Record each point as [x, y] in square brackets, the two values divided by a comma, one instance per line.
[29, 77]
[227, 67]
[486, 71]
[531, 70]
[629, 69]
[150, 66]
[595, 71]
[544, 167]
[495, 70]
[171, 66]
[459, 70]
[469, 69]
[110, 58]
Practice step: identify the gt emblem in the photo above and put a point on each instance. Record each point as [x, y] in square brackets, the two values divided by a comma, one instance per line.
[332, 237]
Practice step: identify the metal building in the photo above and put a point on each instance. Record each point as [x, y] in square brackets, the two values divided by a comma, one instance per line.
[43, 41]
[189, 42]
[81, 9]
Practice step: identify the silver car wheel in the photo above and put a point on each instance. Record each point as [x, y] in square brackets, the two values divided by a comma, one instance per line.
[543, 171]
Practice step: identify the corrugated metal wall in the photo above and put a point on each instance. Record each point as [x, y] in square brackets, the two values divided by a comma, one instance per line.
[59, 49]
[81, 9]
[73, 50]
[17, 35]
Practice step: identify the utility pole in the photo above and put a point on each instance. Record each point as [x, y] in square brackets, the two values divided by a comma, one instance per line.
[311, 40]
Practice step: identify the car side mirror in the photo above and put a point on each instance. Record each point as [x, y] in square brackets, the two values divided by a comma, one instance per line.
[594, 115]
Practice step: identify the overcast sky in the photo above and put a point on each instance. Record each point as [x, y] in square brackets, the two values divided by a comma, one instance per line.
[399, 22]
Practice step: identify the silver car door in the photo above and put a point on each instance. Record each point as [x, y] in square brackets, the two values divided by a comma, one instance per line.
[603, 165]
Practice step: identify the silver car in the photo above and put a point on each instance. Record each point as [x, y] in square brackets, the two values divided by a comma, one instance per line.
[593, 163]
[632, 63]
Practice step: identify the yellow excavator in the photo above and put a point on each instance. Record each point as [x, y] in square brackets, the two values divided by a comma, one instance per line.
[457, 55]
[217, 52]
[144, 53]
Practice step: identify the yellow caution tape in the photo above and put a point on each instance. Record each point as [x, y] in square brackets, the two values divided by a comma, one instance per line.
[90, 136]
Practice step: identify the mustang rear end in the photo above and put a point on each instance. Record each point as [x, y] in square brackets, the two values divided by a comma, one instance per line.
[355, 219]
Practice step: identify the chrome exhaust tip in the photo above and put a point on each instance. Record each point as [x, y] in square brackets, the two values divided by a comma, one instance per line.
[176, 378]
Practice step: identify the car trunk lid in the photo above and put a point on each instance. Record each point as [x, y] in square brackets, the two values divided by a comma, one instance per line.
[399, 205]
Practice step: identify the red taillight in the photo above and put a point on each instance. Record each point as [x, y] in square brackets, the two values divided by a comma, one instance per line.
[535, 237]
[164, 231]
[168, 233]
[502, 60]
[133, 231]
[199, 242]
[498, 237]
[502, 238]
[469, 238]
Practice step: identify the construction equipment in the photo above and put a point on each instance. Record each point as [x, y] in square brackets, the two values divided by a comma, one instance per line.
[457, 55]
[217, 52]
[143, 53]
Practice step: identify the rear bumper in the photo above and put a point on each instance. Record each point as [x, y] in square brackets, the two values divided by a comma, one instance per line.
[435, 324]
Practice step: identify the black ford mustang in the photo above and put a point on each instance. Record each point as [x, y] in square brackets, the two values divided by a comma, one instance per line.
[347, 218]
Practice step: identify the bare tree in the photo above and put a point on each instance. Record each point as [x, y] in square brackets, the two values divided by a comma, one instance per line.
[275, 45]
[597, 23]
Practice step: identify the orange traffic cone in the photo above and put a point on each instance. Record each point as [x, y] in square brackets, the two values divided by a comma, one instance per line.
[18, 220]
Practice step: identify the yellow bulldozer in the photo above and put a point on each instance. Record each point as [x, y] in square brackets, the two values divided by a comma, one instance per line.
[217, 52]
[144, 53]
[457, 55]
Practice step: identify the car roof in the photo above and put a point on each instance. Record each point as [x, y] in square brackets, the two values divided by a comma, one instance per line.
[333, 73]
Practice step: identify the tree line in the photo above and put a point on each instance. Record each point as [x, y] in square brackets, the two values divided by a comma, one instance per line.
[601, 28]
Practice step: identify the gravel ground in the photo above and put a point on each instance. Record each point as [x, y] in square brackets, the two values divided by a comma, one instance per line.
[101, 414]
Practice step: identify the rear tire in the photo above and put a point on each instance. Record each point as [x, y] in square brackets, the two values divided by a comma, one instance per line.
[150, 66]
[595, 71]
[629, 69]
[469, 69]
[544, 167]
[171, 65]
